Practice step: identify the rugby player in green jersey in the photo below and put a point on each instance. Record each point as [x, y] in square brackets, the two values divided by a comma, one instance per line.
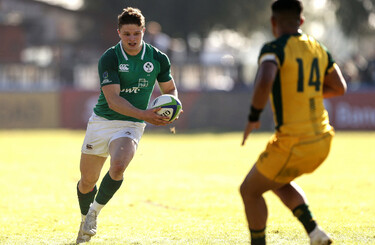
[128, 73]
[298, 72]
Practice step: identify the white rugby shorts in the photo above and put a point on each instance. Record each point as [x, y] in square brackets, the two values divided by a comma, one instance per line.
[101, 132]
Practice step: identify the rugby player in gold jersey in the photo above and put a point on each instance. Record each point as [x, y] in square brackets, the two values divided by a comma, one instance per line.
[296, 72]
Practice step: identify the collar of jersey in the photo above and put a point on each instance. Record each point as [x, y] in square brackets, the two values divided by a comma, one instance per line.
[143, 51]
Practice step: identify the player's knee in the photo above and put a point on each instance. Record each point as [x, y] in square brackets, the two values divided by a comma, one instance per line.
[118, 167]
[248, 191]
[244, 190]
[87, 183]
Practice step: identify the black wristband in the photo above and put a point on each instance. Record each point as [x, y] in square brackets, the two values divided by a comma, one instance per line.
[254, 114]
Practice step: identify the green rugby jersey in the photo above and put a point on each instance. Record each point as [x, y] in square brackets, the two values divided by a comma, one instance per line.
[135, 74]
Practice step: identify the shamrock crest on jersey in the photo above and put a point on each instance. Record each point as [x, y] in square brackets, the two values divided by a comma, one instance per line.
[148, 67]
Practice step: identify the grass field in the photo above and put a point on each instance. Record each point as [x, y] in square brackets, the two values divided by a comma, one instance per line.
[179, 189]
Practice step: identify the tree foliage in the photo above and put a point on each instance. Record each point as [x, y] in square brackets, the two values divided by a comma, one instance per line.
[353, 15]
[179, 18]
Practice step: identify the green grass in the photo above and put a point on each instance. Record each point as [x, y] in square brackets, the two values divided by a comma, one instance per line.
[179, 189]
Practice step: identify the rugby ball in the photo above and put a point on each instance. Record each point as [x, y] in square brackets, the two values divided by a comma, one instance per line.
[170, 106]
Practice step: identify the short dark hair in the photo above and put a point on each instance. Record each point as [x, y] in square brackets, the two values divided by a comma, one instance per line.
[131, 15]
[290, 6]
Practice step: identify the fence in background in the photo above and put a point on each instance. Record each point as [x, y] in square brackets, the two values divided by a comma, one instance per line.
[188, 77]
[218, 111]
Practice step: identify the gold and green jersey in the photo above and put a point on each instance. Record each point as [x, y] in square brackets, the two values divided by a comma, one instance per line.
[297, 93]
[136, 76]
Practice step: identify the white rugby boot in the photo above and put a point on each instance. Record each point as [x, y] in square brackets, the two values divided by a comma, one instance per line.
[81, 238]
[319, 237]
[89, 227]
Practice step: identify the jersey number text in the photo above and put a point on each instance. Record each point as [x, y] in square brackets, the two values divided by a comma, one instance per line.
[314, 81]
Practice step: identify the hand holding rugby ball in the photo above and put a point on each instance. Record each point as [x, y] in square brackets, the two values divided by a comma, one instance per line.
[170, 106]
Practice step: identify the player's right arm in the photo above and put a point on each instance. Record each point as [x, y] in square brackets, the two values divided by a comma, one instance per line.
[334, 83]
[122, 106]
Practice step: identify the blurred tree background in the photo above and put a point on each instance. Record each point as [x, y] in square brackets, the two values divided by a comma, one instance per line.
[347, 27]
[213, 45]
[179, 17]
[331, 21]
[217, 34]
[356, 16]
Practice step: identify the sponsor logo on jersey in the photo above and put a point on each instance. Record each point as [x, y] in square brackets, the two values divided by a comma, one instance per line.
[142, 83]
[105, 78]
[105, 81]
[148, 67]
[123, 67]
[130, 90]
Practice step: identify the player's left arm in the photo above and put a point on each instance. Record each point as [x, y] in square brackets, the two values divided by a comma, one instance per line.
[164, 78]
[168, 87]
[264, 79]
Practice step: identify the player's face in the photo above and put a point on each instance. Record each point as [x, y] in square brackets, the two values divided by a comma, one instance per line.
[131, 38]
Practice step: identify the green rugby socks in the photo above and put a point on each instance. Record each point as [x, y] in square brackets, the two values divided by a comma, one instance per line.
[85, 199]
[302, 212]
[107, 189]
[258, 237]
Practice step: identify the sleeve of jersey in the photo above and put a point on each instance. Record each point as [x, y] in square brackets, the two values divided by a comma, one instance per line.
[165, 68]
[269, 52]
[331, 61]
[108, 68]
